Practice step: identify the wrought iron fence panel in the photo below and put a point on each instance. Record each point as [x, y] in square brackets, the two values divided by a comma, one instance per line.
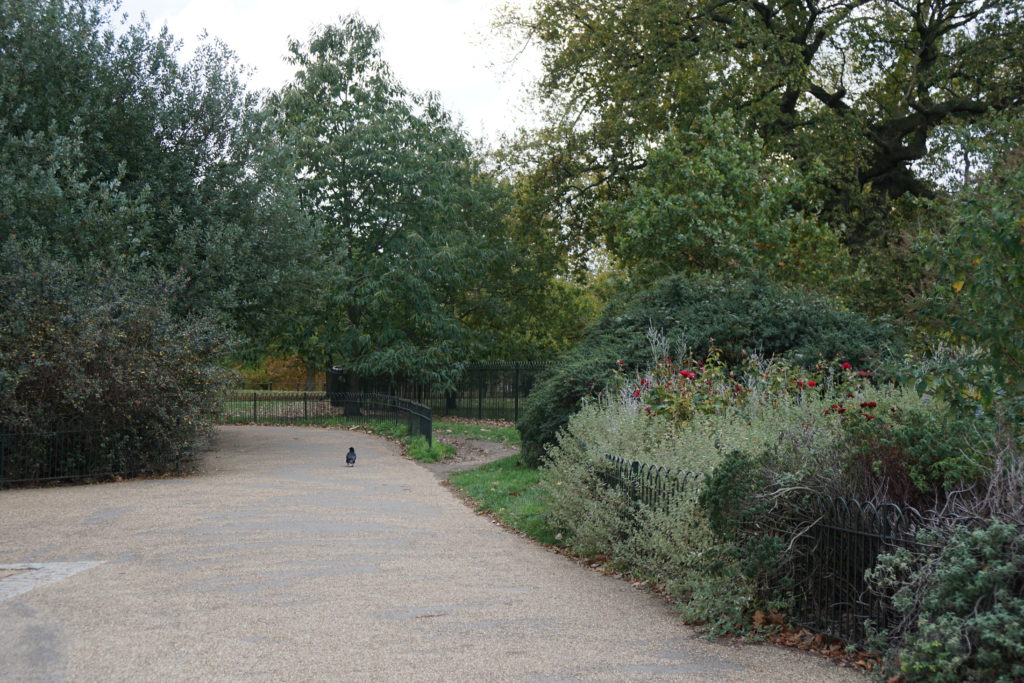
[656, 486]
[72, 451]
[832, 543]
[490, 391]
[321, 407]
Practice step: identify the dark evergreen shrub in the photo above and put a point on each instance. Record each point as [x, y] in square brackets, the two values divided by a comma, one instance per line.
[99, 350]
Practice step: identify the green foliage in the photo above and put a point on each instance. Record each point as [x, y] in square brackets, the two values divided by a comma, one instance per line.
[713, 200]
[410, 225]
[112, 151]
[740, 316]
[872, 91]
[100, 348]
[508, 489]
[979, 288]
[673, 546]
[917, 454]
[961, 608]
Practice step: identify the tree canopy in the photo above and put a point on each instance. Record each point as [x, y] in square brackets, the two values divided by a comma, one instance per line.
[877, 92]
[114, 150]
[418, 255]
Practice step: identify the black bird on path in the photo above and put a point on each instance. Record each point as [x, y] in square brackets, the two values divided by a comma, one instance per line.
[350, 457]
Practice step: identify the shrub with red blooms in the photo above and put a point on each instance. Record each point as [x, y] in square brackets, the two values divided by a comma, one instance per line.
[736, 315]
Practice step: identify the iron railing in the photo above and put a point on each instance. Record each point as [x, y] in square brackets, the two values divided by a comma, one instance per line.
[75, 451]
[486, 391]
[71, 451]
[832, 543]
[656, 486]
[322, 408]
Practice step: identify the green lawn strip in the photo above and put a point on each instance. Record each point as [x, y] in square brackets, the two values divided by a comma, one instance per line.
[479, 432]
[418, 449]
[507, 489]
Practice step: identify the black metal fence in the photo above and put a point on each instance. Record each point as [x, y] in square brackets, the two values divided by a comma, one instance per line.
[834, 542]
[653, 485]
[70, 452]
[339, 408]
[76, 451]
[486, 391]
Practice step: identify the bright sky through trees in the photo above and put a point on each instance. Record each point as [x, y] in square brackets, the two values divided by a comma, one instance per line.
[441, 45]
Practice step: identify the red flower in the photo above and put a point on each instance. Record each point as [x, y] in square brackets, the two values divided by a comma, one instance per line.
[622, 362]
[847, 366]
[868, 417]
[636, 394]
[812, 383]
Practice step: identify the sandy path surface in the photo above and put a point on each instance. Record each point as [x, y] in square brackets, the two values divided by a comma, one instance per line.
[277, 563]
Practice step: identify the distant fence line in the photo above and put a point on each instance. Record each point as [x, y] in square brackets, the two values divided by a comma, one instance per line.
[73, 452]
[838, 541]
[485, 391]
[323, 408]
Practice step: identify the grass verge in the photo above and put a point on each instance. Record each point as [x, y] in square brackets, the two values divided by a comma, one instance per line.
[418, 449]
[479, 432]
[507, 489]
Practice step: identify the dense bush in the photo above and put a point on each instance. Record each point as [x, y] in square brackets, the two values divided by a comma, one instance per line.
[960, 608]
[764, 435]
[672, 546]
[736, 316]
[914, 456]
[102, 350]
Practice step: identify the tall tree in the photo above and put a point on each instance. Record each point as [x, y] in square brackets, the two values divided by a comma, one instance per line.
[411, 227]
[113, 149]
[869, 88]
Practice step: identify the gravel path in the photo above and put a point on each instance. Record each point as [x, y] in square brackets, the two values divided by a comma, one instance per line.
[277, 563]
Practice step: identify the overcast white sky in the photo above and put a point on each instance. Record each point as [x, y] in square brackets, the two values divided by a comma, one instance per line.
[446, 46]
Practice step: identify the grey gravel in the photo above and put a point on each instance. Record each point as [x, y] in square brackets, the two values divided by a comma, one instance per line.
[278, 563]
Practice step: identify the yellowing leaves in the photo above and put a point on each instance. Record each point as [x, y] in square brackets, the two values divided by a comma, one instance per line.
[958, 285]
